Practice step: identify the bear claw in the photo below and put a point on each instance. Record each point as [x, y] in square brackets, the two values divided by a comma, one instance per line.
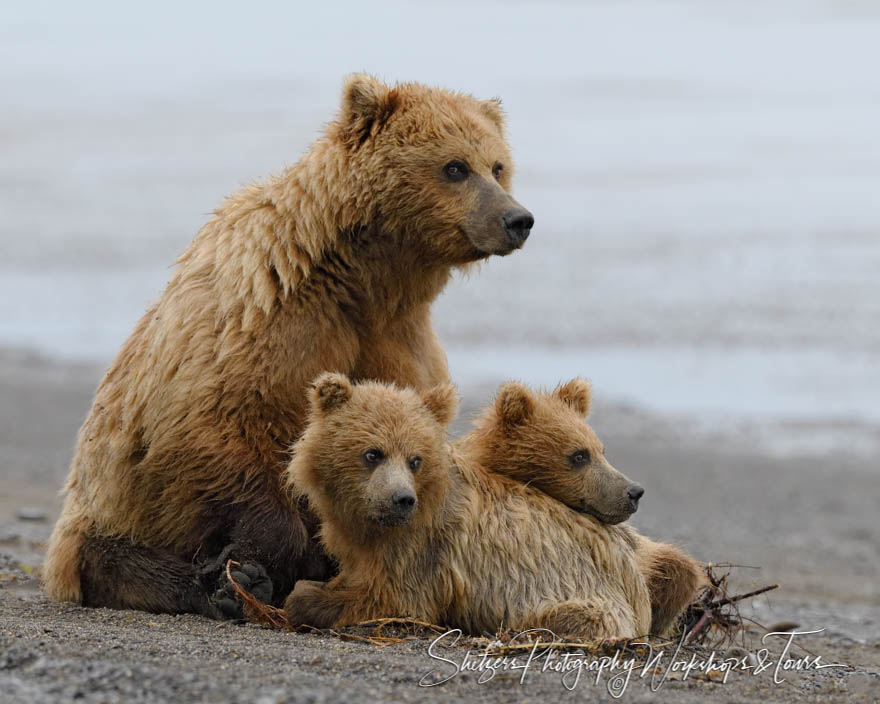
[252, 578]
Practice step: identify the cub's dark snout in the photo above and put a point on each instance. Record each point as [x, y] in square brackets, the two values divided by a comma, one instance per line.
[403, 503]
[634, 493]
[403, 500]
[518, 223]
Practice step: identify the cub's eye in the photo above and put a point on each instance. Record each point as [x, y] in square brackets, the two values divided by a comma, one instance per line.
[373, 457]
[415, 463]
[580, 458]
[456, 171]
[496, 171]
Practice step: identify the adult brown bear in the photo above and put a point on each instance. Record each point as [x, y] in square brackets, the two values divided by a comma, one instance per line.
[332, 265]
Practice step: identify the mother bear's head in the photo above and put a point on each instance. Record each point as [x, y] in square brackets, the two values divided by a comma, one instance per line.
[430, 164]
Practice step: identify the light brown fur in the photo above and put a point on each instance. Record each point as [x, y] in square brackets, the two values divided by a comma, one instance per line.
[531, 437]
[331, 265]
[478, 551]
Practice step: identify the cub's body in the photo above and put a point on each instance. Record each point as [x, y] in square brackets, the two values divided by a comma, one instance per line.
[473, 550]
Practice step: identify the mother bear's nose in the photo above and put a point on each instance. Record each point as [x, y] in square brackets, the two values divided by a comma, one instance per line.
[635, 492]
[518, 222]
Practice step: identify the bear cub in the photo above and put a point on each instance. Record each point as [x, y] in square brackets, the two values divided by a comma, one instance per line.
[421, 529]
[543, 440]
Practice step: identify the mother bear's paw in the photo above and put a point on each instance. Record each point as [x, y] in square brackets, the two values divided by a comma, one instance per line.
[252, 578]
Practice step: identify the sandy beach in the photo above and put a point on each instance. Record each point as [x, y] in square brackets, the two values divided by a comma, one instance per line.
[809, 524]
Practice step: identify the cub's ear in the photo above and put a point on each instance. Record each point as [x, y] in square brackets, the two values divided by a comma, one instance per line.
[329, 391]
[576, 393]
[492, 109]
[442, 401]
[366, 105]
[514, 403]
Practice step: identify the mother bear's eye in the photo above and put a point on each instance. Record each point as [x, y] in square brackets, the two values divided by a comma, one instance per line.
[497, 169]
[415, 463]
[373, 457]
[579, 458]
[456, 171]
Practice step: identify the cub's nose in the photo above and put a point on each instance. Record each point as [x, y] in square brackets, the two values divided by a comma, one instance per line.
[403, 500]
[518, 222]
[635, 492]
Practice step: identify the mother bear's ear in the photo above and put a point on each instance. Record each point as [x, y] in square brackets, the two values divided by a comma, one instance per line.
[492, 109]
[367, 103]
[442, 402]
[329, 391]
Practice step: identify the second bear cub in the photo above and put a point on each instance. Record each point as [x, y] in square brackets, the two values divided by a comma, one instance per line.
[422, 530]
[542, 439]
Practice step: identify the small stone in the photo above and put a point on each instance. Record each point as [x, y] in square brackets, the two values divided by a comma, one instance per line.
[736, 652]
[31, 514]
[783, 626]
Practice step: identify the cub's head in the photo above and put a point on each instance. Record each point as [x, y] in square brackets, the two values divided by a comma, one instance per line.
[373, 456]
[434, 165]
[543, 440]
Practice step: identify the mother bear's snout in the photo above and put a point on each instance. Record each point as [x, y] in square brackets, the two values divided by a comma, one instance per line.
[518, 223]
[634, 493]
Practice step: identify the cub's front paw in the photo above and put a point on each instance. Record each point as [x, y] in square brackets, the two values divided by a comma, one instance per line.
[310, 604]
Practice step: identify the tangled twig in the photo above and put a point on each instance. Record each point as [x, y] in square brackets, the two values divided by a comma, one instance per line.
[708, 612]
[740, 597]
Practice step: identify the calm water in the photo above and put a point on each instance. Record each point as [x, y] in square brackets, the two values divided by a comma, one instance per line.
[705, 179]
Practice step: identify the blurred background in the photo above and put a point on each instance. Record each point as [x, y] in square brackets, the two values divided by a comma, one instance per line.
[704, 177]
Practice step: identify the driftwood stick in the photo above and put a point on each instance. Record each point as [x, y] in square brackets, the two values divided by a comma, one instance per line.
[740, 597]
[704, 619]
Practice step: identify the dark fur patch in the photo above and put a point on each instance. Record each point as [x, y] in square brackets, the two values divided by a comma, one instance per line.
[139, 455]
[118, 574]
